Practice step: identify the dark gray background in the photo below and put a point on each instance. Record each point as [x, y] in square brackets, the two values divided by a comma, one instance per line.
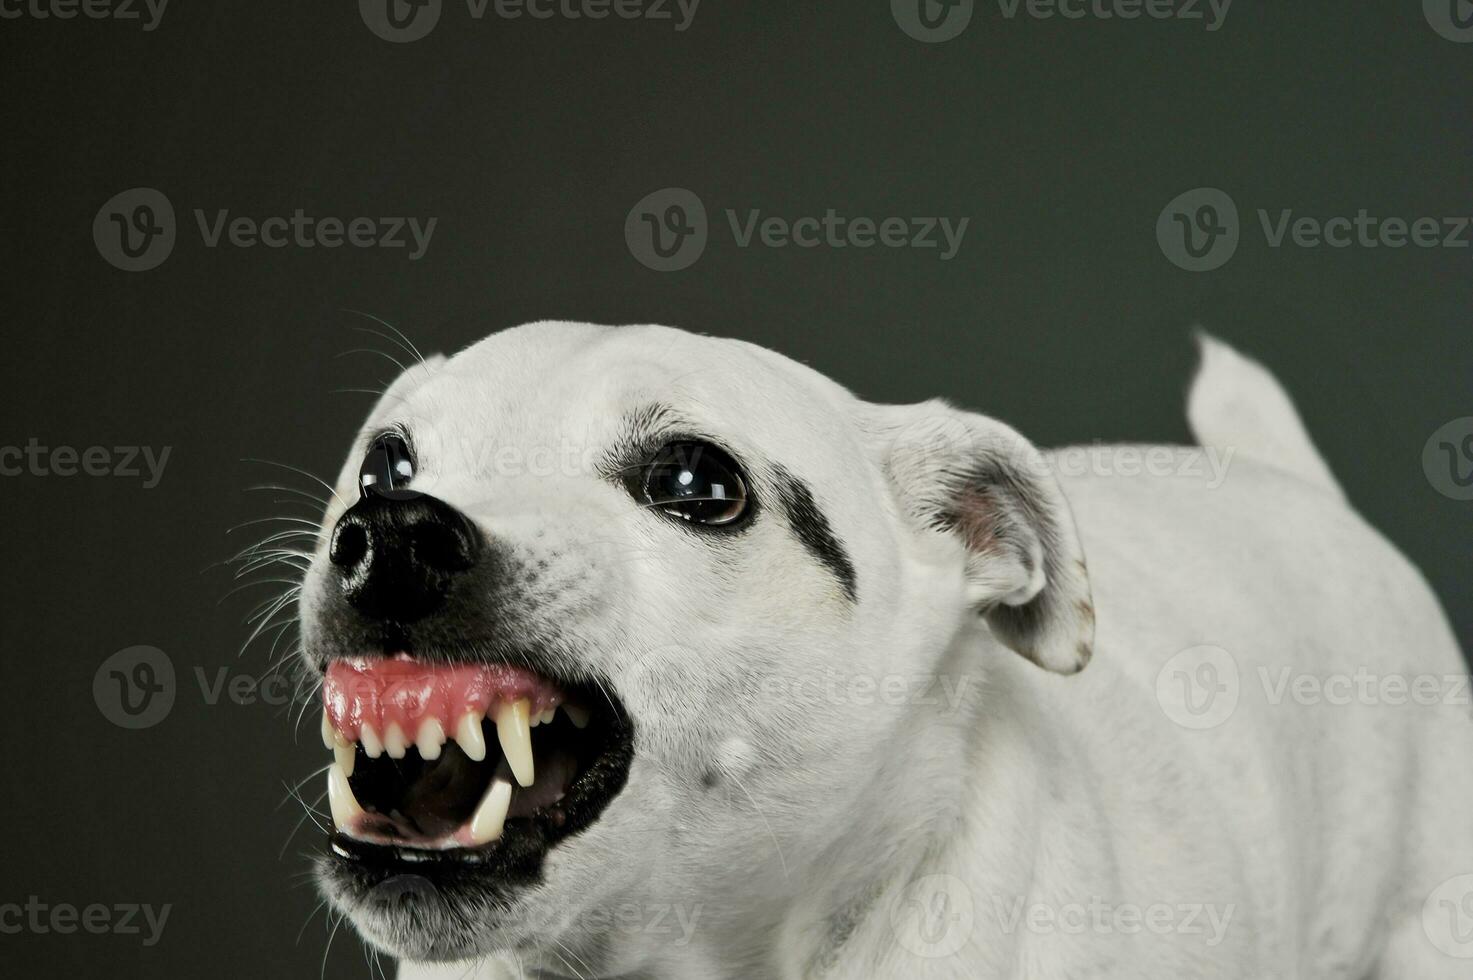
[530, 141]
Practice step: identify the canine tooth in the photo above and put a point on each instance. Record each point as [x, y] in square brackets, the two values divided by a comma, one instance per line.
[514, 731]
[340, 798]
[468, 734]
[578, 716]
[345, 755]
[370, 741]
[329, 737]
[431, 737]
[394, 741]
[490, 816]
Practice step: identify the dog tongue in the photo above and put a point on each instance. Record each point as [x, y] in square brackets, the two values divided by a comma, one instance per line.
[404, 691]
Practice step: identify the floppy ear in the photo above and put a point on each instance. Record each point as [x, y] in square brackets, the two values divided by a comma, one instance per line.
[976, 479]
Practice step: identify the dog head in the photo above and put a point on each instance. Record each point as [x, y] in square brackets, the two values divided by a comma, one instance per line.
[619, 619]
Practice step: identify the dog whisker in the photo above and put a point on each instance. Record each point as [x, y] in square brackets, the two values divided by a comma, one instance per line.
[297, 469]
[264, 520]
[374, 350]
[404, 342]
[310, 916]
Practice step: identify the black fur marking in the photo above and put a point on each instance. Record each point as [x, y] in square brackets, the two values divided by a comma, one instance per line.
[814, 531]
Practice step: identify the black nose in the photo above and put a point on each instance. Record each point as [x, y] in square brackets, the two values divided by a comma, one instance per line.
[399, 556]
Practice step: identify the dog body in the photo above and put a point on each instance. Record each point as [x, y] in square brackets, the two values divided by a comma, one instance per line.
[866, 746]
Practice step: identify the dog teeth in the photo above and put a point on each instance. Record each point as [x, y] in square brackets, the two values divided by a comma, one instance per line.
[344, 754]
[371, 744]
[514, 731]
[340, 799]
[428, 734]
[430, 738]
[490, 817]
[399, 707]
[395, 744]
[468, 735]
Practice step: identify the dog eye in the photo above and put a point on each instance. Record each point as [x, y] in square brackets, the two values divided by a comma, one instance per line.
[388, 466]
[697, 483]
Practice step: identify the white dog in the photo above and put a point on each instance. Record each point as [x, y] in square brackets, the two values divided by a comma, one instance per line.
[654, 655]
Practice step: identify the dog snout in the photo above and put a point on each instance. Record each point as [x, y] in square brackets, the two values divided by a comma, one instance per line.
[398, 557]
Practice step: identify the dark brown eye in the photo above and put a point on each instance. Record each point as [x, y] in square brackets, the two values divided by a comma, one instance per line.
[387, 467]
[697, 483]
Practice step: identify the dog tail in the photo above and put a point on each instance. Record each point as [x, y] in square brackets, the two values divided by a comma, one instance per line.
[1236, 405]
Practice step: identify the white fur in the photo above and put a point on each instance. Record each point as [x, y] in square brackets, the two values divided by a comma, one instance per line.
[846, 838]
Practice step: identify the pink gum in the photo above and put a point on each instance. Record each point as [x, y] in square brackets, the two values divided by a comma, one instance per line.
[403, 691]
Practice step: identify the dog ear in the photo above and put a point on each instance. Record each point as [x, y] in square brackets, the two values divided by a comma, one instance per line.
[980, 481]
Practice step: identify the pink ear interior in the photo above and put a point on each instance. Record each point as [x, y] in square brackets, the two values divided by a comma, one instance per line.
[977, 515]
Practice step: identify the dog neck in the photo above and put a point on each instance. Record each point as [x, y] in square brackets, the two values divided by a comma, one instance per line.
[958, 839]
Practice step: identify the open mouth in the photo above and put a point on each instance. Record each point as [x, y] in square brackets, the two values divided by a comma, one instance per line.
[465, 763]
